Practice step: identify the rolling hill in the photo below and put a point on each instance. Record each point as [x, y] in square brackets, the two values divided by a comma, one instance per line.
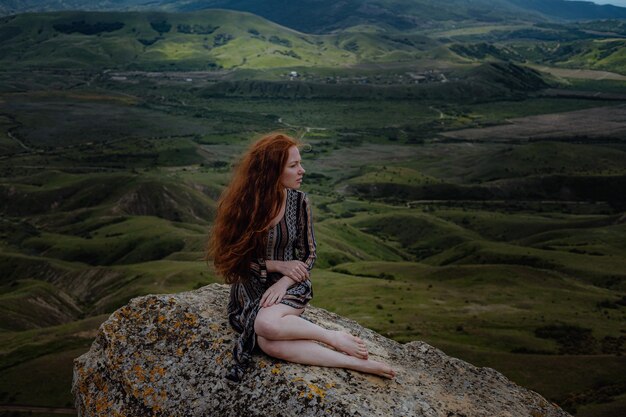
[213, 40]
[204, 40]
[439, 214]
[322, 16]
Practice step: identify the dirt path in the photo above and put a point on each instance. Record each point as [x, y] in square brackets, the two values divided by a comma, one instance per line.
[19, 141]
[581, 73]
[441, 114]
[307, 129]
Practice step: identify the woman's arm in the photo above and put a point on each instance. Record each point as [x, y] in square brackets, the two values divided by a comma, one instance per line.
[258, 269]
[275, 293]
[305, 247]
[296, 271]
[305, 244]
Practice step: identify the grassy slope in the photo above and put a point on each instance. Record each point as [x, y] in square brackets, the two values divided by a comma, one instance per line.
[498, 306]
[481, 313]
[202, 40]
[320, 16]
[214, 39]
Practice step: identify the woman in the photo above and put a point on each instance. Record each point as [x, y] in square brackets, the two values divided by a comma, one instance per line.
[263, 245]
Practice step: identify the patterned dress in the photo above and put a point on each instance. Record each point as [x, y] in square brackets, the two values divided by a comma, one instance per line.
[291, 238]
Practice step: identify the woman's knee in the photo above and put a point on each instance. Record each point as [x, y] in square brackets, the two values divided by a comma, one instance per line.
[266, 326]
[270, 347]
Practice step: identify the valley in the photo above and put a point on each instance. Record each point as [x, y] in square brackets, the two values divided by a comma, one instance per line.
[469, 197]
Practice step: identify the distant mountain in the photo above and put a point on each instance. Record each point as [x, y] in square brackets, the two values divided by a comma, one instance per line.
[572, 10]
[23, 6]
[226, 39]
[322, 16]
[204, 40]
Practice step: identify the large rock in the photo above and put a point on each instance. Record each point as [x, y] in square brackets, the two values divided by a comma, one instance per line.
[166, 355]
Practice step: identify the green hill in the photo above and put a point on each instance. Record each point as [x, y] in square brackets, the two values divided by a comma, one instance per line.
[118, 132]
[202, 40]
[229, 40]
[323, 16]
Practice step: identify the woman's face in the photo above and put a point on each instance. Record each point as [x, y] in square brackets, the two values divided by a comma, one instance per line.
[293, 170]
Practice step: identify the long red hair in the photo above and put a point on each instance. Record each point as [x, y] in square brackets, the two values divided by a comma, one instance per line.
[247, 206]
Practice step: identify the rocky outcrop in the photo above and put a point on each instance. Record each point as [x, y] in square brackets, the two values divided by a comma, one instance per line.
[166, 355]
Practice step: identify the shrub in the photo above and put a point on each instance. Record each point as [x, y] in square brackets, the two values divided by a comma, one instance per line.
[162, 26]
[572, 339]
[196, 29]
[85, 28]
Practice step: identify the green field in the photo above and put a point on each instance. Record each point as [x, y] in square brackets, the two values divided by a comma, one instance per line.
[507, 252]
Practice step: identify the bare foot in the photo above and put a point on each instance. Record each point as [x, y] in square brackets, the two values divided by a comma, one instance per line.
[351, 345]
[379, 368]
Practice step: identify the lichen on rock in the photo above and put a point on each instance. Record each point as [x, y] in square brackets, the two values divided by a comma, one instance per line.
[166, 355]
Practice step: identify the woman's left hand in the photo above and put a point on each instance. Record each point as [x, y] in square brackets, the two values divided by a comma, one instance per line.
[273, 295]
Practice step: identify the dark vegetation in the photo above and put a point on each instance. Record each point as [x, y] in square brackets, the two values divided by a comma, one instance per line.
[87, 28]
[162, 26]
[539, 188]
[319, 16]
[196, 29]
[486, 82]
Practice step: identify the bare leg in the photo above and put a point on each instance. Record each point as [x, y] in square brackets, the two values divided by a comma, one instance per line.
[281, 322]
[308, 352]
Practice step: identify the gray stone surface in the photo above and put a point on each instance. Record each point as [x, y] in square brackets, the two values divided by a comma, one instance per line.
[166, 355]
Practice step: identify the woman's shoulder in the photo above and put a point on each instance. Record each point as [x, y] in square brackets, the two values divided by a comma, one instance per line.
[300, 195]
[298, 192]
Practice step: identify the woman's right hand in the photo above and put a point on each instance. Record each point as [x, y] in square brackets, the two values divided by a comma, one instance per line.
[296, 270]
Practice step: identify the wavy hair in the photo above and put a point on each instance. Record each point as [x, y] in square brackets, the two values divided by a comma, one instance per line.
[247, 206]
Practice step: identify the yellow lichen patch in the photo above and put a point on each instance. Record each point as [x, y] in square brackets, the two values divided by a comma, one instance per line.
[217, 343]
[139, 373]
[330, 385]
[179, 351]
[262, 364]
[161, 319]
[123, 312]
[191, 339]
[276, 369]
[157, 370]
[99, 383]
[297, 379]
[102, 404]
[153, 336]
[214, 327]
[317, 390]
[148, 392]
[191, 319]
